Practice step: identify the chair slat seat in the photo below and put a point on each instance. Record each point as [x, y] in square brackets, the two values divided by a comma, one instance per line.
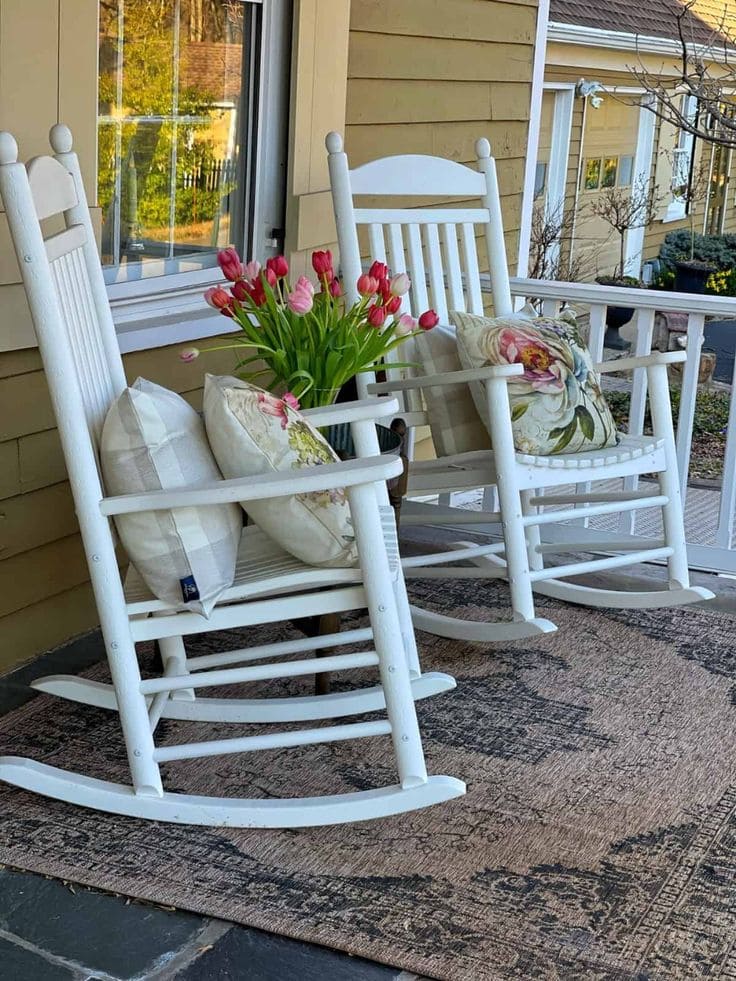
[263, 567]
[627, 449]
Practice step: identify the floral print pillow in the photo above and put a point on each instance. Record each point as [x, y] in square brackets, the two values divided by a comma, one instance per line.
[557, 405]
[253, 432]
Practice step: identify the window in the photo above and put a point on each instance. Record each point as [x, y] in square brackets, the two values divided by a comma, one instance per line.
[181, 84]
[592, 178]
[540, 179]
[610, 170]
[682, 158]
[625, 171]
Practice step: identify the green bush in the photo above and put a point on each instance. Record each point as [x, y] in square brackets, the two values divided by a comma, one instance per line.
[719, 250]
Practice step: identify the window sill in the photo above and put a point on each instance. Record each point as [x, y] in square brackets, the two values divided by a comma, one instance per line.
[173, 315]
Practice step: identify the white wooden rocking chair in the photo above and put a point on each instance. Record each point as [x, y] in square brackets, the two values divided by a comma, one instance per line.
[66, 292]
[437, 247]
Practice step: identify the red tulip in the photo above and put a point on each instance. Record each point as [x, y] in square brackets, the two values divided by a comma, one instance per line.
[335, 288]
[220, 299]
[322, 263]
[379, 270]
[257, 293]
[376, 316]
[229, 261]
[279, 265]
[428, 320]
[240, 290]
[393, 305]
[367, 285]
[270, 276]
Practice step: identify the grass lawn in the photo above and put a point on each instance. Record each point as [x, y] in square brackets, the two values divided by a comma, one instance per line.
[709, 427]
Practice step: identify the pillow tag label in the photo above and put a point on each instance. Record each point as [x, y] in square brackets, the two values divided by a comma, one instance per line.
[189, 589]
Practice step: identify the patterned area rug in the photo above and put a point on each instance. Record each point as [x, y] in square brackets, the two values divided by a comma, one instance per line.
[597, 839]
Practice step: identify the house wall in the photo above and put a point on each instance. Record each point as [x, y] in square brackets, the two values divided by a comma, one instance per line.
[568, 63]
[414, 81]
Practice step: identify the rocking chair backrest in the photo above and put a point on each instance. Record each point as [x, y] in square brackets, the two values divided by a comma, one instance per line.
[436, 246]
[65, 286]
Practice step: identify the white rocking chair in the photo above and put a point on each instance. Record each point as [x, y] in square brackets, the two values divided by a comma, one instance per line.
[66, 292]
[437, 247]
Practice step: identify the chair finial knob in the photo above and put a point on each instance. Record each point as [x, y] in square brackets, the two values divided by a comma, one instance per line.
[333, 142]
[482, 147]
[60, 138]
[8, 148]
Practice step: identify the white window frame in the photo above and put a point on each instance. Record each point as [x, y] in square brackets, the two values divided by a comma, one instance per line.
[682, 158]
[155, 310]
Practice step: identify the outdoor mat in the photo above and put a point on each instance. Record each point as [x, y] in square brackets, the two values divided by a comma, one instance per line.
[597, 839]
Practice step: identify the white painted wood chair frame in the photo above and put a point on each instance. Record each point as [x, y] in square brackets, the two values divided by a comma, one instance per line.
[437, 247]
[66, 292]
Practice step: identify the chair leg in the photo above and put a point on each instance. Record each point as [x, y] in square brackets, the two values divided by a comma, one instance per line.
[384, 618]
[174, 659]
[407, 627]
[533, 538]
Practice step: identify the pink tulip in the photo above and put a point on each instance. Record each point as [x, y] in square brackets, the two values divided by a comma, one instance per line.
[300, 302]
[270, 276]
[189, 354]
[406, 324]
[219, 299]
[305, 285]
[335, 288]
[291, 400]
[252, 270]
[279, 265]
[322, 263]
[400, 284]
[379, 270]
[367, 285]
[229, 261]
[428, 320]
[376, 316]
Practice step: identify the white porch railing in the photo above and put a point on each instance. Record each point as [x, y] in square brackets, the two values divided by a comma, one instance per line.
[711, 512]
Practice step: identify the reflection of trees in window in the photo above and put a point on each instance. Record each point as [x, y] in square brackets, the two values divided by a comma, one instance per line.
[169, 90]
[592, 177]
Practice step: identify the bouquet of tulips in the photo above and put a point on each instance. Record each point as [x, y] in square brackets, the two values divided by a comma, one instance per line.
[307, 337]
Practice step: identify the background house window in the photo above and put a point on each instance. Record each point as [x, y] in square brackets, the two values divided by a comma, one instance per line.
[540, 179]
[592, 176]
[177, 127]
[682, 160]
[610, 171]
[625, 171]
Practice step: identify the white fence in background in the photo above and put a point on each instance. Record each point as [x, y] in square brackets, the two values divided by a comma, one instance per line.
[709, 513]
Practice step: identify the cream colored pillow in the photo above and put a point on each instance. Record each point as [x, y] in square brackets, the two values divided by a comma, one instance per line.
[557, 405]
[153, 440]
[453, 418]
[252, 432]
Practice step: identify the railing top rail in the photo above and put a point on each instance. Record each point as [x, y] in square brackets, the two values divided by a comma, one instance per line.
[624, 296]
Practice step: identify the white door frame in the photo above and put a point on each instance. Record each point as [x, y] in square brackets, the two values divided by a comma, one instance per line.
[641, 171]
[559, 154]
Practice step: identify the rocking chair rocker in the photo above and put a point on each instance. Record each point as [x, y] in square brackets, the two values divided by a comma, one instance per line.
[66, 292]
[437, 247]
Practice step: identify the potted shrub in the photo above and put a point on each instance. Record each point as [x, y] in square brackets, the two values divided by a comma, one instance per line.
[622, 208]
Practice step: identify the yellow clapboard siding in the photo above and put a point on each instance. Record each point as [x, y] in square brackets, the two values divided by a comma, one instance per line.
[36, 518]
[392, 56]
[478, 19]
[40, 460]
[46, 624]
[387, 100]
[9, 470]
[32, 576]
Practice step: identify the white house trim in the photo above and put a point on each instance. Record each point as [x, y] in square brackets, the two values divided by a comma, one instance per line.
[641, 172]
[594, 37]
[535, 121]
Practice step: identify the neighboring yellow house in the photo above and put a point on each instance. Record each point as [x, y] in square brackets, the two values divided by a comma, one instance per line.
[596, 133]
[200, 130]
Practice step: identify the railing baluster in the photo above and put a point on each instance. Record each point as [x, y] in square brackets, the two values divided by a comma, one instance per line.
[724, 532]
[638, 404]
[688, 394]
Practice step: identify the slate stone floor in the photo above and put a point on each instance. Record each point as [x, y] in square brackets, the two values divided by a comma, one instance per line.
[52, 931]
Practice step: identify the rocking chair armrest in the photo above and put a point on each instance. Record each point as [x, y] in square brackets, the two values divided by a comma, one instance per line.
[487, 373]
[645, 361]
[364, 470]
[362, 410]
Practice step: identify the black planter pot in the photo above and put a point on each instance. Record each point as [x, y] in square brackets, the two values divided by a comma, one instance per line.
[691, 277]
[616, 317]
